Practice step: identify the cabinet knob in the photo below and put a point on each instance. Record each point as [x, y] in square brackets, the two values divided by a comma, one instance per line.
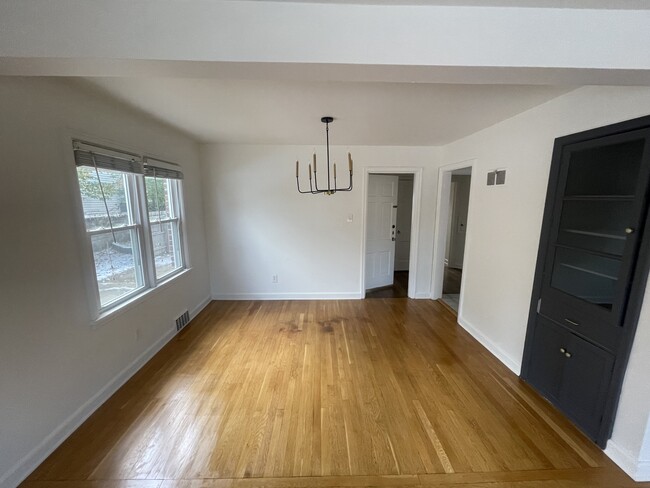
[562, 350]
[567, 354]
[629, 230]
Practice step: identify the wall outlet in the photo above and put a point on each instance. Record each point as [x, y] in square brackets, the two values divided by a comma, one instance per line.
[274, 279]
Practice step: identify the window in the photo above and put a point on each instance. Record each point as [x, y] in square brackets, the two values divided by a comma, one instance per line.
[163, 213]
[132, 216]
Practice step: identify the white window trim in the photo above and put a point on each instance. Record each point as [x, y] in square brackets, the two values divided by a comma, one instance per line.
[151, 286]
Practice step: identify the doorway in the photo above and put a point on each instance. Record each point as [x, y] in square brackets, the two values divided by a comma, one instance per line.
[389, 235]
[451, 232]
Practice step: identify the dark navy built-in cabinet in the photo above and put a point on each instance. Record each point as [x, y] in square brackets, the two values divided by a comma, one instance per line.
[591, 271]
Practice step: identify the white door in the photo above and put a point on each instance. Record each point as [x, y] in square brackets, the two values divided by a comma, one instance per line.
[380, 230]
[403, 237]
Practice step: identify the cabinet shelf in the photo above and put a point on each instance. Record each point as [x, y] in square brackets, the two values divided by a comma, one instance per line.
[589, 251]
[589, 271]
[599, 198]
[594, 234]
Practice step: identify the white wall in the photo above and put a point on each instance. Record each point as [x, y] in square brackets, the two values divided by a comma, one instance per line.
[258, 225]
[506, 223]
[55, 367]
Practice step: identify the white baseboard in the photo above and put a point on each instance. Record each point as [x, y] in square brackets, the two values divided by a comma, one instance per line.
[36, 456]
[642, 471]
[197, 310]
[500, 354]
[287, 296]
[637, 470]
[422, 296]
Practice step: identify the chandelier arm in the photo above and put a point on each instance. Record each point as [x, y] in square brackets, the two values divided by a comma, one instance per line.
[298, 185]
[343, 189]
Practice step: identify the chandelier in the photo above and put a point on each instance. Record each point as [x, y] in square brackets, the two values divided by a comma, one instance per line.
[313, 186]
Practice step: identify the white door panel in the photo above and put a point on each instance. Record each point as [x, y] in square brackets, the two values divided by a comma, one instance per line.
[380, 230]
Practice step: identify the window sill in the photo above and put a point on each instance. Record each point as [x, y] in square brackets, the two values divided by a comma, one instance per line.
[113, 313]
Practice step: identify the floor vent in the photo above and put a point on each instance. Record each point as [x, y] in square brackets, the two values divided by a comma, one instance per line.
[183, 320]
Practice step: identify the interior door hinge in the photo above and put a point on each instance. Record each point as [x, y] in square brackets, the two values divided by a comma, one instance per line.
[539, 304]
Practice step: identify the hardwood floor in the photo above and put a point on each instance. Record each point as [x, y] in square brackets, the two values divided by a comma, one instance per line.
[386, 392]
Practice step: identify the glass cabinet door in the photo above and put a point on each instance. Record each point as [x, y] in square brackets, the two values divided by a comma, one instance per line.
[595, 219]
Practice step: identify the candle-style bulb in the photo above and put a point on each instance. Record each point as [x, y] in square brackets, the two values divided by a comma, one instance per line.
[350, 162]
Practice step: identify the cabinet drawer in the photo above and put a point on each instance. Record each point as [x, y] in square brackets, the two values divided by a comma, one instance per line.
[580, 321]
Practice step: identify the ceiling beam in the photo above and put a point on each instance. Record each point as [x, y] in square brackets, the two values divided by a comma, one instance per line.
[324, 41]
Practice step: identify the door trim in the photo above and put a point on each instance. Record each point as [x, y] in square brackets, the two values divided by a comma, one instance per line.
[415, 221]
[440, 228]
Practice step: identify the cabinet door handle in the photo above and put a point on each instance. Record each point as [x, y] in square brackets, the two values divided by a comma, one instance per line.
[567, 354]
[571, 322]
[562, 350]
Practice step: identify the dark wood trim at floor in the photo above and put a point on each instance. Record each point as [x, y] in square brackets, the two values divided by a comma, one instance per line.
[399, 288]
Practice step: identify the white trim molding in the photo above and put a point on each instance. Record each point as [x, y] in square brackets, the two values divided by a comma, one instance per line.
[635, 469]
[288, 296]
[415, 222]
[440, 227]
[495, 350]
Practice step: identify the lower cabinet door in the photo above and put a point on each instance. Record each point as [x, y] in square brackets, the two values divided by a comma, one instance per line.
[587, 374]
[546, 359]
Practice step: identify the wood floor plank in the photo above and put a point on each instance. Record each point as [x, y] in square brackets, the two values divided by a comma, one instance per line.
[383, 392]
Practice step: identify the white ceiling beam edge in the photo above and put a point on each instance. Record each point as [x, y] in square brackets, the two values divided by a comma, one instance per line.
[321, 72]
[601, 4]
[380, 40]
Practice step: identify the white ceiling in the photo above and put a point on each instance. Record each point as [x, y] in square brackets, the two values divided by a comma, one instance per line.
[289, 112]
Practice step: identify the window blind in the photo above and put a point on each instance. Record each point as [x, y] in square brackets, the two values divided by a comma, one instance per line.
[162, 169]
[104, 158]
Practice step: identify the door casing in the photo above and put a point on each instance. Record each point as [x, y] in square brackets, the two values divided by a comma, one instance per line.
[415, 223]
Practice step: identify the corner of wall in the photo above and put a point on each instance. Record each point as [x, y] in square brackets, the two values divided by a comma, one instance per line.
[635, 469]
[498, 352]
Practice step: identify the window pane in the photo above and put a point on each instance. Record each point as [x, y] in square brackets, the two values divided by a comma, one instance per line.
[605, 170]
[584, 275]
[118, 264]
[166, 247]
[159, 199]
[114, 186]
